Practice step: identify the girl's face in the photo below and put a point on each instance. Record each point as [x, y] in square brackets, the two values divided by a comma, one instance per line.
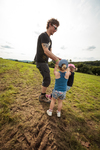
[72, 69]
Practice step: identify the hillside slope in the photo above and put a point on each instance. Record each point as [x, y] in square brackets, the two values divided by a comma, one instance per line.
[24, 123]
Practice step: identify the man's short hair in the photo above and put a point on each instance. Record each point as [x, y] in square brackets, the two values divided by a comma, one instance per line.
[52, 21]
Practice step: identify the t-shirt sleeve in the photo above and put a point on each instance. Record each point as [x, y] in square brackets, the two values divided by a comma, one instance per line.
[44, 38]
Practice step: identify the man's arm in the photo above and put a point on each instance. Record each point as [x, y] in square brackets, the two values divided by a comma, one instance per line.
[51, 50]
[59, 58]
[49, 53]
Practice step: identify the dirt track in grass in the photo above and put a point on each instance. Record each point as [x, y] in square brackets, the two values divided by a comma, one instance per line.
[34, 129]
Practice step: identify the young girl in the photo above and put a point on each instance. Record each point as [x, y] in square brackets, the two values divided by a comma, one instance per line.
[70, 80]
[71, 77]
[59, 91]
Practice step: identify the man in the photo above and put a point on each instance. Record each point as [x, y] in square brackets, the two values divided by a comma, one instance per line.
[44, 51]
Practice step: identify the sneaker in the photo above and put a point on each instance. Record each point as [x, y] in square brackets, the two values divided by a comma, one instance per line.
[58, 113]
[43, 98]
[48, 96]
[49, 113]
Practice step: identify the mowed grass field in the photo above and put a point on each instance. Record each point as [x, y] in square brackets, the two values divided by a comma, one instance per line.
[79, 126]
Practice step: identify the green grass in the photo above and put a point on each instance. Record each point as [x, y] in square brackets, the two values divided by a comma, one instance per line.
[13, 75]
[81, 108]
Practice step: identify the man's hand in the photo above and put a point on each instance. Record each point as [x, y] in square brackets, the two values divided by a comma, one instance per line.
[59, 58]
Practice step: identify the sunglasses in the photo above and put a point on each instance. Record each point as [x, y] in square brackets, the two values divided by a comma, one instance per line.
[54, 27]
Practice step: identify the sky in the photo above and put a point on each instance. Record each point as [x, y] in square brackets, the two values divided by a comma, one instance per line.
[77, 37]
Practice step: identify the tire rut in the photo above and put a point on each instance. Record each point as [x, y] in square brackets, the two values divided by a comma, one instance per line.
[34, 129]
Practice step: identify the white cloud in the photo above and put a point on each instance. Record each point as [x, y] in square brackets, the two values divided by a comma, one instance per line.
[90, 48]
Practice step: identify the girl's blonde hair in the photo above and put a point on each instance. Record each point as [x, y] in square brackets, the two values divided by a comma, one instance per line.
[64, 67]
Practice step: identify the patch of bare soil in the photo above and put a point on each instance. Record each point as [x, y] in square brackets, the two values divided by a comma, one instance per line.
[34, 129]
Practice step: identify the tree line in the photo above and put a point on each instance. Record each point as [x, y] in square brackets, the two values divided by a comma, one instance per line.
[89, 67]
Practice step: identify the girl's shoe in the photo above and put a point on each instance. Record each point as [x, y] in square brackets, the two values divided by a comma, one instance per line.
[58, 113]
[48, 96]
[49, 113]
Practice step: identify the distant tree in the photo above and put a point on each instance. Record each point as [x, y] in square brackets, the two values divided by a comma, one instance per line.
[51, 64]
[96, 70]
[33, 62]
[84, 68]
[70, 60]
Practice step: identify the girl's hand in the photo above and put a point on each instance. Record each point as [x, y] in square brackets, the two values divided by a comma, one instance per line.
[68, 69]
[56, 66]
[55, 69]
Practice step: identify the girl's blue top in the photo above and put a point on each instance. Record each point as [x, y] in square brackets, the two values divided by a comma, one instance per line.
[61, 83]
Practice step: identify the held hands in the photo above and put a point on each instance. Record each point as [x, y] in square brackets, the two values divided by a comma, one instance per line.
[56, 66]
[57, 62]
[59, 58]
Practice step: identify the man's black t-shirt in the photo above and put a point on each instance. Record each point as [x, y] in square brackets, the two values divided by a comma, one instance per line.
[41, 57]
[71, 79]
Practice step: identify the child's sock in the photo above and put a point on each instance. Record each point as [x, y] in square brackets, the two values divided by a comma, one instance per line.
[50, 110]
[58, 111]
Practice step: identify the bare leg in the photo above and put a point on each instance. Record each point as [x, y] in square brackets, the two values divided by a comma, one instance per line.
[44, 89]
[53, 100]
[59, 104]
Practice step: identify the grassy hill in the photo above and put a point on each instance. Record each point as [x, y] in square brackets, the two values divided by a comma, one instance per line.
[24, 123]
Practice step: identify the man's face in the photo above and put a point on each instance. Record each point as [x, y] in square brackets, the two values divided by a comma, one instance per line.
[53, 29]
